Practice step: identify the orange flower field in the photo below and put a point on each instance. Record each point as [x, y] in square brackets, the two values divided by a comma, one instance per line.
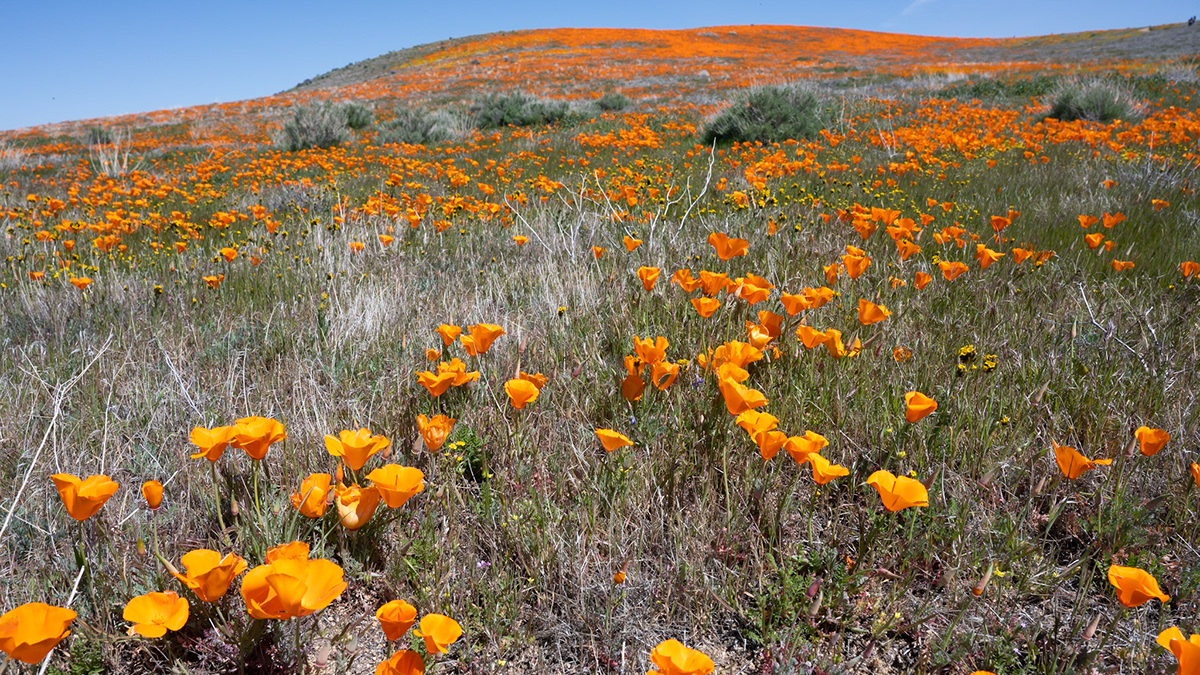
[601, 388]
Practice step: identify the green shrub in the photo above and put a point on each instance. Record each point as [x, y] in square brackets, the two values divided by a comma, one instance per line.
[358, 116]
[97, 136]
[1094, 101]
[415, 127]
[320, 125]
[768, 114]
[1001, 88]
[612, 101]
[516, 109]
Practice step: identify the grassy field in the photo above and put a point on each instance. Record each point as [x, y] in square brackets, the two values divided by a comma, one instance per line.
[227, 279]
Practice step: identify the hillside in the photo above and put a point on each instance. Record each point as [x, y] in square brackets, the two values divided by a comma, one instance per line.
[655, 368]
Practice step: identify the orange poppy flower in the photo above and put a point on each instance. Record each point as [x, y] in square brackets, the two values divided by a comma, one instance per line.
[356, 447]
[255, 435]
[918, 406]
[152, 492]
[831, 272]
[1122, 265]
[28, 632]
[213, 281]
[663, 374]
[436, 384]
[712, 283]
[818, 297]
[650, 350]
[1135, 587]
[434, 431]
[432, 355]
[825, 471]
[810, 337]
[738, 397]
[1072, 463]
[1151, 440]
[448, 332]
[1189, 268]
[869, 312]
[757, 335]
[403, 662]
[386, 239]
[898, 492]
[612, 439]
[794, 304]
[292, 587]
[229, 254]
[737, 353]
[520, 239]
[356, 247]
[855, 265]
[481, 338]
[598, 251]
[754, 422]
[1000, 222]
[705, 307]
[672, 658]
[685, 280]
[81, 282]
[83, 498]
[1087, 221]
[833, 344]
[986, 256]
[209, 574]
[521, 392]
[906, 248]
[1195, 468]
[951, 270]
[396, 617]
[921, 280]
[439, 631]
[633, 385]
[153, 614]
[648, 277]
[310, 501]
[356, 504]
[900, 353]
[1186, 652]
[1108, 184]
[1094, 239]
[769, 442]
[536, 379]
[802, 447]
[727, 247]
[397, 484]
[1110, 220]
[631, 243]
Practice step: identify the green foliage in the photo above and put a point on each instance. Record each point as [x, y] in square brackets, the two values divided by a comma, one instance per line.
[768, 114]
[320, 125]
[612, 101]
[358, 116]
[516, 109]
[993, 88]
[97, 136]
[415, 127]
[1094, 101]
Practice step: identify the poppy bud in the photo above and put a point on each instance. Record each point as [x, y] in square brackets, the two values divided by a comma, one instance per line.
[1131, 446]
[141, 547]
[813, 588]
[1037, 398]
[928, 482]
[322, 659]
[1037, 489]
[815, 607]
[233, 507]
[1091, 628]
[980, 585]
[152, 490]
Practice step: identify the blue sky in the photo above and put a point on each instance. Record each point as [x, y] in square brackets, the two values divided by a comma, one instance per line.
[63, 60]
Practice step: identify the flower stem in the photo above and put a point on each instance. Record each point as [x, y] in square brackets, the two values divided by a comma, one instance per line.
[217, 496]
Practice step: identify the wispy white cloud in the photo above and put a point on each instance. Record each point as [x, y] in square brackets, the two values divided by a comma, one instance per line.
[914, 6]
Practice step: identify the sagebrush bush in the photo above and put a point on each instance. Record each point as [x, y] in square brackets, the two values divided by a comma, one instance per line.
[612, 101]
[767, 114]
[416, 127]
[516, 109]
[320, 125]
[97, 136]
[358, 116]
[1093, 101]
